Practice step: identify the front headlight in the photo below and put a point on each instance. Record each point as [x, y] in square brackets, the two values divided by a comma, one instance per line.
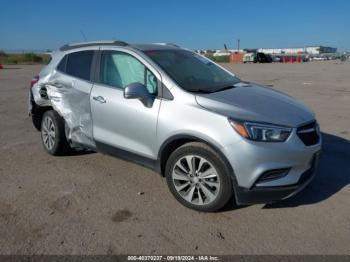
[261, 132]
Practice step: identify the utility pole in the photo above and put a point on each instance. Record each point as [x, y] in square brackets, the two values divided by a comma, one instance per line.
[238, 44]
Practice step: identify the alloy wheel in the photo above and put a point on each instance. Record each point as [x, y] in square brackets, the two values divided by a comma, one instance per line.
[48, 133]
[196, 180]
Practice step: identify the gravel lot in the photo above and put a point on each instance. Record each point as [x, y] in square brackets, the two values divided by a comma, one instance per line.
[92, 203]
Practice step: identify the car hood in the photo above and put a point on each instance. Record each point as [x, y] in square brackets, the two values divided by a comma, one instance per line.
[257, 103]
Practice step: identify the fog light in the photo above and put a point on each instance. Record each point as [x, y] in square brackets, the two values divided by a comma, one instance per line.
[273, 174]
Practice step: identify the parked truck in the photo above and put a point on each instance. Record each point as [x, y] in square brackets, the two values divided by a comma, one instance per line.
[257, 58]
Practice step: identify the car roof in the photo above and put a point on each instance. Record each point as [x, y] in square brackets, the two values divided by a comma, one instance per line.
[142, 47]
[155, 46]
[71, 46]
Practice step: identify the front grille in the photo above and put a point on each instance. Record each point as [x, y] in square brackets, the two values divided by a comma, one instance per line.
[309, 133]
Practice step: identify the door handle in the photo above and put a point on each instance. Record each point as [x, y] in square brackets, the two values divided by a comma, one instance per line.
[100, 99]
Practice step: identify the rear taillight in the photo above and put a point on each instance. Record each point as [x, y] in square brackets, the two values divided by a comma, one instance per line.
[35, 80]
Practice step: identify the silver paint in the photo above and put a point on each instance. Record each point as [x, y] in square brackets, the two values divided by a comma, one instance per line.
[129, 125]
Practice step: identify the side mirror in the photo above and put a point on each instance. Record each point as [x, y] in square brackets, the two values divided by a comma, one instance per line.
[138, 91]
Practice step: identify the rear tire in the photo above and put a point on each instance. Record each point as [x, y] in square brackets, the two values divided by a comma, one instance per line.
[53, 136]
[198, 177]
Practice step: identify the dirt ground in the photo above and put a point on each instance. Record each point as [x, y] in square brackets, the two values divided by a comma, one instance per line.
[96, 204]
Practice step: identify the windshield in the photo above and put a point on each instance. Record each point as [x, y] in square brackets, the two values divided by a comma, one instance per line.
[191, 71]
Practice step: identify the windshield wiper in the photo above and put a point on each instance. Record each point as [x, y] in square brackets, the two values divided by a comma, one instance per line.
[202, 91]
[224, 88]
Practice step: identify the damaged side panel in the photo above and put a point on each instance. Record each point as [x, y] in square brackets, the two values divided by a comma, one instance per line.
[70, 97]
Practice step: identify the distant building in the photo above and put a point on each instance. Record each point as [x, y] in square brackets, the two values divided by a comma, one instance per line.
[225, 52]
[222, 52]
[204, 51]
[313, 50]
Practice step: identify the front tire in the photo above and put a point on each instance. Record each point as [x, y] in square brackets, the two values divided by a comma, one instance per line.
[53, 134]
[198, 177]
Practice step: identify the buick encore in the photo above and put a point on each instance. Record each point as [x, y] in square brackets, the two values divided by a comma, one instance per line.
[214, 137]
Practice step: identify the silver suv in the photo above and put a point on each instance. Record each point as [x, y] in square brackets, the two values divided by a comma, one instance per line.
[210, 134]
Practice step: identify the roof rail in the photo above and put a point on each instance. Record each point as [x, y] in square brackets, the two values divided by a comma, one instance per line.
[87, 44]
[167, 44]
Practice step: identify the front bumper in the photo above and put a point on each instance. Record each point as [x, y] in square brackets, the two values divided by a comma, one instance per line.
[250, 160]
[258, 195]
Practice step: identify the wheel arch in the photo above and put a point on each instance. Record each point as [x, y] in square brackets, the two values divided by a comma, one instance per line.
[37, 112]
[173, 142]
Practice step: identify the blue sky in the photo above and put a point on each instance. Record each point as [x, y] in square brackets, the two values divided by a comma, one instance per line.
[39, 25]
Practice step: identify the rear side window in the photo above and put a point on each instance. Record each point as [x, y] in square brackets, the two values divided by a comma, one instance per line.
[62, 65]
[78, 64]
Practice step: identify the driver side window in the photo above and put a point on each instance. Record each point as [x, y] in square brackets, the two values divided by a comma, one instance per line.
[120, 69]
